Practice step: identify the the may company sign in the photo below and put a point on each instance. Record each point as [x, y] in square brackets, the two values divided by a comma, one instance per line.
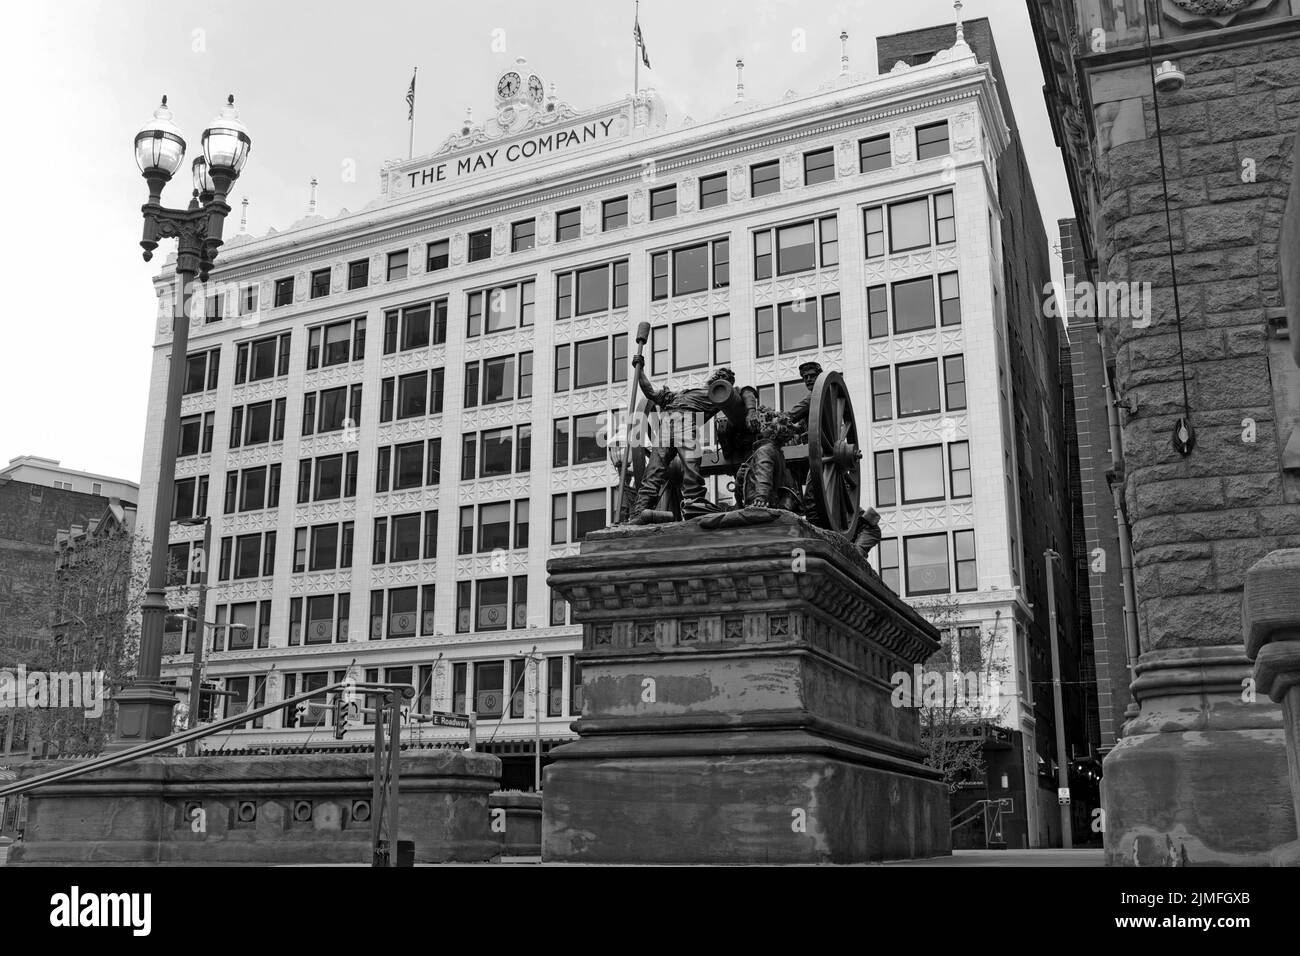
[499, 157]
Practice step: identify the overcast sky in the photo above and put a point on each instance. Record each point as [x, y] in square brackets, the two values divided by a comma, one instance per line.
[321, 85]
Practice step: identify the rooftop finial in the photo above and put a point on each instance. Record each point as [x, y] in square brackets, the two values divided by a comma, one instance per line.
[243, 215]
[311, 206]
[740, 79]
[844, 53]
[961, 33]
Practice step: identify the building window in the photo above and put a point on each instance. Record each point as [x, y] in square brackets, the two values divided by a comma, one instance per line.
[397, 262]
[932, 140]
[918, 388]
[713, 191]
[877, 312]
[613, 213]
[925, 560]
[336, 343]
[568, 224]
[690, 345]
[589, 511]
[358, 274]
[480, 245]
[765, 178]
[888, 552]
[501, 308]
[258, 423]
[589, 363]
[320, 283]
[819, 166]
[922, 473]
[886, 482]
[575, 688]
[196, 436]
[797, 247]
[963, 549]
[691, 269]
[554, 684]
[954, 381]
[438, 255]
[959, 481]
[201, 371]
[190, 499]
[597, 289]
[415, 326]
[262, 358]
[873, 225]
[945, 221]
[491, 614]
[523, 235]
[663, 202]
[798, 325]
[882, 401]
[913, 305]
[249, 301]
[247, 556]
[949, 299]
[909, 224]
[873, 153]
[283, 291]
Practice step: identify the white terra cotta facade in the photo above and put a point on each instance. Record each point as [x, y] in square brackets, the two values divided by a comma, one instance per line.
[631, 152]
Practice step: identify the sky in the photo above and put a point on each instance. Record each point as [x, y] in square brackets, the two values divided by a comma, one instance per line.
[321, 85]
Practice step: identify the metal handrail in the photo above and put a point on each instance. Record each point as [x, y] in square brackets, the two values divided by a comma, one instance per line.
[196, 733]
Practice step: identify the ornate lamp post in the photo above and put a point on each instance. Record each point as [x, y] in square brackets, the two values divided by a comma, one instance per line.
[145, 707]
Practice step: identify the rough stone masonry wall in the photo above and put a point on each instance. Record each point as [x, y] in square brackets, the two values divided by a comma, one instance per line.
[1200, 522]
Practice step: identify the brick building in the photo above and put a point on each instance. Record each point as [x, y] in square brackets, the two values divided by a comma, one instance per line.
[1037, 447]
[31, 518]
[1184, 189]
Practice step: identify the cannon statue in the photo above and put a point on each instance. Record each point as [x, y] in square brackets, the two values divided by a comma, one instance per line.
[659, 481]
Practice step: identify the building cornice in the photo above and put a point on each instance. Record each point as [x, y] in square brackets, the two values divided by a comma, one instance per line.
[909, 91]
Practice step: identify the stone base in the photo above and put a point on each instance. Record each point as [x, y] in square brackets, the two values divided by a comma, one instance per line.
[737, 703]
[266, 810]
[739, 808]
[1200, 777]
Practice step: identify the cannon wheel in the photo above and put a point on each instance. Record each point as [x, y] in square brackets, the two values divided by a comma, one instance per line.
[834, 456]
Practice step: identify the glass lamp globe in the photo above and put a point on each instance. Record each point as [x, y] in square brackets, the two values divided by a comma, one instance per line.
[202, 181]
[225, 141]
[159, 144]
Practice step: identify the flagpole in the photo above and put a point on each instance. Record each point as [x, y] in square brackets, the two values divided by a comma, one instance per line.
[410, 143]
[636, 51]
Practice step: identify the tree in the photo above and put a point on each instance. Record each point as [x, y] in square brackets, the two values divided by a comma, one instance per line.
[971, 658]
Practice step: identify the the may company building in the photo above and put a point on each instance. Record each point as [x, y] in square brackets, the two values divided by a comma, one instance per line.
[392, 416]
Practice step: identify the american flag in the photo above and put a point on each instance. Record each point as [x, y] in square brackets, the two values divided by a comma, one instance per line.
[410, 99]
[640, 43]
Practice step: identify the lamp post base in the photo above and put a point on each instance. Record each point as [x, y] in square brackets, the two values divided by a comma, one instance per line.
[144, 713]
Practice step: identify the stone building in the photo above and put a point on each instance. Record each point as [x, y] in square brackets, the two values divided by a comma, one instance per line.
[1179, 192]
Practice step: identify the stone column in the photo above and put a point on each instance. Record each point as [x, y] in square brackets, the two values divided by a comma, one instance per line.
[1200, 775]
[737, 703]
[1271, 621]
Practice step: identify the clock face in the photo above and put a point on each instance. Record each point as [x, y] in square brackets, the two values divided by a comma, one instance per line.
[508, 86]
[535, 91]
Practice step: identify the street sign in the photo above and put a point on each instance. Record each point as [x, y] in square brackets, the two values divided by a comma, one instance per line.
[1063, 796]
[440, 719]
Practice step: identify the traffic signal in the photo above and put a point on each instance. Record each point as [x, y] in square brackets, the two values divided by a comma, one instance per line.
[340, 717]
[207, 702]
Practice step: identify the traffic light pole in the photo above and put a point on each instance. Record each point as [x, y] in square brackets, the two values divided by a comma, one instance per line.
[1062, 760]
[196, 669]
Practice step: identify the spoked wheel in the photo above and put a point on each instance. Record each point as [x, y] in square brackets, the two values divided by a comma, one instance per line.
[834, 456]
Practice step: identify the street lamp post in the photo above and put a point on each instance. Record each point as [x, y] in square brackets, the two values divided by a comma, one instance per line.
[1062, 761]
[197, 668]
[145, 707]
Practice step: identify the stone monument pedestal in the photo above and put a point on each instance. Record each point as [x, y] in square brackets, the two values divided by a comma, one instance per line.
[737, 703]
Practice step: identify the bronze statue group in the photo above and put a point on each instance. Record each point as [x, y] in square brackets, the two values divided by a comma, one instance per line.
[750, 443]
